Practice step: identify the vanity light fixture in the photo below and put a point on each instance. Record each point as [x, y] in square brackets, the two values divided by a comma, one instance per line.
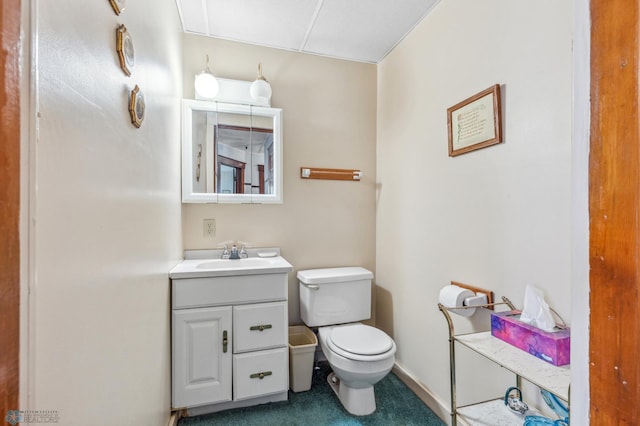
[260, 89]
[206, 84]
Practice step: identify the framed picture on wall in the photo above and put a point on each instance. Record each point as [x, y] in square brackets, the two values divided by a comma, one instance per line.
[476, 122]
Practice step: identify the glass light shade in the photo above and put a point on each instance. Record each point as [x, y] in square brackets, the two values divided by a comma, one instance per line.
[260, 89]
[206, 85]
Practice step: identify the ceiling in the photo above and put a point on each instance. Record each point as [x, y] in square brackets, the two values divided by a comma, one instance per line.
[356, 30]
[243, 138]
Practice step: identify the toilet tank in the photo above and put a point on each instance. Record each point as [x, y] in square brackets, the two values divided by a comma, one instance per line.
[335, 295]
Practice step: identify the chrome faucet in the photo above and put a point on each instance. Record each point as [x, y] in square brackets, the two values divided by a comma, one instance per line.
[234, 253]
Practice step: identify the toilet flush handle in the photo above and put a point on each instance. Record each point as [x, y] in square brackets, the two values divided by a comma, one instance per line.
[312, 286]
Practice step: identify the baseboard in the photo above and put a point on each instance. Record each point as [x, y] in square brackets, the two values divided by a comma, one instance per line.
[175, 417]
[439, 407]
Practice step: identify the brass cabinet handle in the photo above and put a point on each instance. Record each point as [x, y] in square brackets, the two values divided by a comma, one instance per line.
[225, 341]
[260, 327]
[260, 375]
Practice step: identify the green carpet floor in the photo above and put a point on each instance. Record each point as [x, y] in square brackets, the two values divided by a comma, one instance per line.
[396, 405]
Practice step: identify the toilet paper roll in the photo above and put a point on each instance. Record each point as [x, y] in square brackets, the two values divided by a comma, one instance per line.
[452, 296]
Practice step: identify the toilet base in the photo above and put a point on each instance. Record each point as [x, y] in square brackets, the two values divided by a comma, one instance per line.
[359, 402]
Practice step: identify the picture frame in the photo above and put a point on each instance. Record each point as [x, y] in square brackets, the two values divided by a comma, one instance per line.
[136, 106]
[476, 122]
[117, 5]
[125, 49]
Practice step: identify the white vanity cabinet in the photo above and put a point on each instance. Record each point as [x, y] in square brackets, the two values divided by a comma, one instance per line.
[229, 339]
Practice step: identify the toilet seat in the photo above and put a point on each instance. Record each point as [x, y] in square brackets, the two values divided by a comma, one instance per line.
[360, 342]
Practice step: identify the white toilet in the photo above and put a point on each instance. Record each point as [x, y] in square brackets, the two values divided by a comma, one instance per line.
[335, 299]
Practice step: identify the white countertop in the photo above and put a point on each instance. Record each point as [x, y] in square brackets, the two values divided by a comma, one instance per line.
[208, 263]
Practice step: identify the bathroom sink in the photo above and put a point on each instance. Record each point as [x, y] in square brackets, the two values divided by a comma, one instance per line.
[216, 267]
[241, 264]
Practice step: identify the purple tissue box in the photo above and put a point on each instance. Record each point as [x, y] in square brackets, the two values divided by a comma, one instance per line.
[552, 347]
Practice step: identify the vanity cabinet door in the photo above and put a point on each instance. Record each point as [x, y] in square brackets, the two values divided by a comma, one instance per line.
[201, 356]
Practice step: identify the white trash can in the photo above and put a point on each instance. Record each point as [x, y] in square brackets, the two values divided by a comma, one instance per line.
[302, 348]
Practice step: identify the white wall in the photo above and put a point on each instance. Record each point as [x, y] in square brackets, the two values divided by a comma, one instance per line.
[498, 218]
[106, 213]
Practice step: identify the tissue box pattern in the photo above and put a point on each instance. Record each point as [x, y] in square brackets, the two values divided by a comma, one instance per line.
[552, 347]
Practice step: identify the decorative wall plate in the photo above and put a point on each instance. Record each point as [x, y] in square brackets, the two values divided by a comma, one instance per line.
[124, 46]
[136, 106]
[117, 5]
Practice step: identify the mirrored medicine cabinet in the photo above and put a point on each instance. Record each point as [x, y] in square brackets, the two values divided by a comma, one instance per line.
[231, 153]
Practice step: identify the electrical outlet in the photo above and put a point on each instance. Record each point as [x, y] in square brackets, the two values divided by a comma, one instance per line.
[209, 228]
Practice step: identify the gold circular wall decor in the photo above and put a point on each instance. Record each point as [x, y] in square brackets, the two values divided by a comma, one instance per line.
[117, 5]
[124, 46]
[136, 106]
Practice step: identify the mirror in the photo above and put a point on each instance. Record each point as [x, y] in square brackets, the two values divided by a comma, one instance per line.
[231, 153]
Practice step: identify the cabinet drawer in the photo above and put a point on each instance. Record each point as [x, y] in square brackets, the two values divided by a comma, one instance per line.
[259, 326]
[260, 373]
[219, 291]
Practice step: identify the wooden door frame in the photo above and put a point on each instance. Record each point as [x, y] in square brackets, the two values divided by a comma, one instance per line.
[10, 208]
[614, 212]
[239, 167]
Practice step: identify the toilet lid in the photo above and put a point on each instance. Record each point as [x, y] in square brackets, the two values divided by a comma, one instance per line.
[361, 339]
